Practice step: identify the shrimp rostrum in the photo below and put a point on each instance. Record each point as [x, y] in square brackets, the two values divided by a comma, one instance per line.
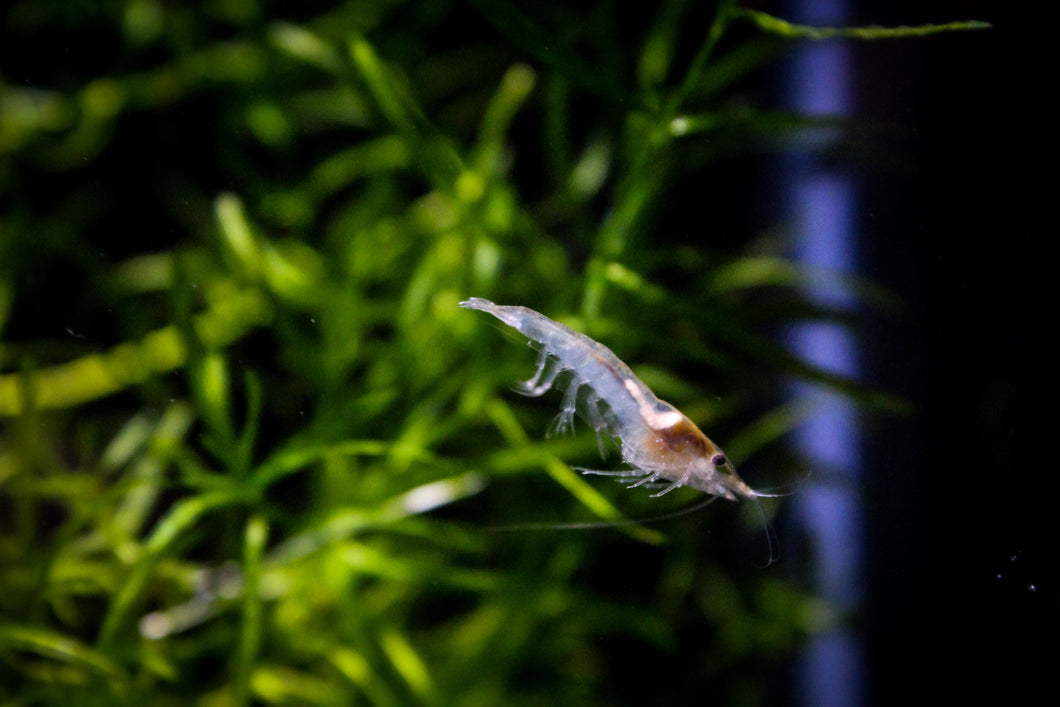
[658, 442]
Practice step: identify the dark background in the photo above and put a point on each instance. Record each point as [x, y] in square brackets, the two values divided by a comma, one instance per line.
[964, 571]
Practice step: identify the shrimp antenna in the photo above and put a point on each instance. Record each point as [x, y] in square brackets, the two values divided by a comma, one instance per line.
[596, 525]
[770, 494]
[774, 548]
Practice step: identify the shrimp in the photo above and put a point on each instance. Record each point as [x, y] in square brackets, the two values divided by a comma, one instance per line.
[658, 442]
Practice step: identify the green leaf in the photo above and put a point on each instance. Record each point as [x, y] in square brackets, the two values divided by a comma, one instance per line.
[777, 26]
[57, 646]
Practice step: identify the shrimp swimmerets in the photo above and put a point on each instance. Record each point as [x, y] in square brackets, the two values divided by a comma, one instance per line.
[658, 442]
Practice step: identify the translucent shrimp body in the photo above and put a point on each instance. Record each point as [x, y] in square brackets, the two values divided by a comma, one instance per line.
[658, 442]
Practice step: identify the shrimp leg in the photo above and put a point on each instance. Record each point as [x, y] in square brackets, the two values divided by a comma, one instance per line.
[543, 377]
[680, 482]
[621, 472]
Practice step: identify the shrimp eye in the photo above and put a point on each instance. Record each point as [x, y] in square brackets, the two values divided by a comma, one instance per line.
[719, 460]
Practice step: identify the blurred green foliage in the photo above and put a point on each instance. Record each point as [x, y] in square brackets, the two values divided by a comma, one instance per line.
[251, 450]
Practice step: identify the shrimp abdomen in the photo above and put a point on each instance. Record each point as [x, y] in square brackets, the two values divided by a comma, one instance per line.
[589, 364]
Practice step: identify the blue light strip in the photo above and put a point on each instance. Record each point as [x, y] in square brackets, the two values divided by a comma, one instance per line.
[822, 205]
